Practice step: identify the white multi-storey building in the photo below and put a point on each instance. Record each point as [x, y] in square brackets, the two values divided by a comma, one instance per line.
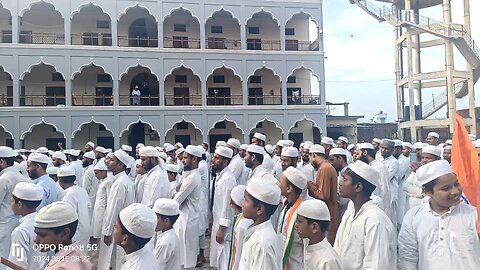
[206, 70]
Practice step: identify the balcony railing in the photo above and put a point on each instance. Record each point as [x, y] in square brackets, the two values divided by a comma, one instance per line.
[41, 38]
[224, 100]
[6, 37]
[181, 42]
[130, 41]
[265, 100]
[268, 45]
[144, 100]
[93, 39]
[190, 100]
[300, 45]
[91, 100]
[41, 100]
[6, 101]
[222, 43]
[303, 100]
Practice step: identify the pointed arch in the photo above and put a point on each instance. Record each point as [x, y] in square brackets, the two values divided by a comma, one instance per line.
[140, 120]
[263, 11]
[32, 4]
[226, 120]
[305, 118]
[180, 8]
[137, 5]
[307, 68]
[184, 120]
[266, 119]
[91, 64]
[79, 128]
[6, 131]
[30, 129]
[182, 65]
[227, 68]
[42, 62]
[302, 12]
[222, 9]
[129, 68]
[89, 4]
[4, 7]
[264, 66]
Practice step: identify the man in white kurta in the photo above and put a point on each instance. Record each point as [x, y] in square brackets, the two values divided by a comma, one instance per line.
[36, 168]
[236, 165]
[156, 183]
[253, 160]
[89, 182]
[391, 163]
[402, 175]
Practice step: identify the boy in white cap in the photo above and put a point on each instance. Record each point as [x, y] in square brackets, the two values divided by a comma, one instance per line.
[89, 182]
[236, 165]
[140, 179]
[366, 236]
[36, 168]
[222, 213]
[288, 158]
[25, 199]
[134, 228]
[432, 138]
[156, 183]
[261, 247]
[292, 183]
[312, 224]
[240, 225]
[167, 247]
[440, 233]
[172, 174]
[260, 139]
[55, 225]
[78, 198]
[253, 160]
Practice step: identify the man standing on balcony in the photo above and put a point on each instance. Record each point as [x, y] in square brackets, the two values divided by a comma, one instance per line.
[136, 94]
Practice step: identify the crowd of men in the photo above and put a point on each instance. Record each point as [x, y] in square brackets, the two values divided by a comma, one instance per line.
[332, 205]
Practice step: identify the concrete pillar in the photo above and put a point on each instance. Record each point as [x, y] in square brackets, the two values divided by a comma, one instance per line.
[114, 32]
[245, 92]
[116, 92]
[160, 34]
[243, 37]
[471, 89]
[203, 83]
[398, 70]
[68, 92]
[411, 97]
[449, 63]
[15, 28]
[202, 27]
[68, 30]
[282, 37]
[16, 93]
[283, 90]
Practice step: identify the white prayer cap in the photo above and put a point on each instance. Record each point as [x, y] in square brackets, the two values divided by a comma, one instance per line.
[407, 144]
[148, 151]
[55, 215]
[397, 143]
[131, 163]
[316, 148]
[476, 144]
[296, 177]
[327, 140]
[268, 148]
[6, 151]
[101, 150]
[338, 151]
[169, 148]
[243, 146]
[220, 143]
[260, 136]
[310, 142]
[179, 151]
[233, 143]
[365, 146]
[139, 220]
[224, 151]
[50, 152]
[163, 155]
[166, 207]
[100, 166]
[307, 145]
[289, 143]
[74, 152]
[433, 134]
[126, 148]
[139, 145]
[52, 170]
[433, 150]
[194, 150]
[472, 137]
[66, 171]
[42, 150]
[32, 151]
[109, 150]
[39, 158]
[448, 142]
[91, 144]
[67, 151]
[433, 170]
[179, 145]
[314, 209]
[302, 144]
[419, 145]
[448, 147]
[110, 155]
[166, 144]
[21, 150]
[290, 151]
[138, 162]
[28, 191]
[172, 168]
[253, 148]
[388, 142]
[342, 138]
[238, 195]
[376, 140]
[89, 155]
[350, 146]
[122, 156]
[265, 191]
[281, 143]
[365, 171]
[59, 155]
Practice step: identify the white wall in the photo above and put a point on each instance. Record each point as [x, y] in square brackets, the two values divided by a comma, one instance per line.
[36, 81]
[301, 24]
[231, 81]
[85, 83]
[86, 22]
[269, 82]
[131, 16]
[88, 132]
[39, 134]
[303, 81]
[195, 134]
[181, 17]
[193, 83]
[43, 18]
[273, 133]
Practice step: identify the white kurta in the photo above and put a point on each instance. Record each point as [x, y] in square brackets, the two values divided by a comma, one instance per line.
[187, 225]
[239, 238]
[321, 256]
[402, 175]
[367, 239]
[100, 207]
[156, 186]
[204, 211]
[428, 240]
[78, 198]
[90, 183]
[50, 190]
[383, 189]
[237, 166]
[267, 162]
[222, 215]
[139, 187]
[413, 191]
[23, 239]
[277, 169]
[295, 259]
[261, 249]
[141, 259]
[78, 167]
[261, 172]
[167, 251]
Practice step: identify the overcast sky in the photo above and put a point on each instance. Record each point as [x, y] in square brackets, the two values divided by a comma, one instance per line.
[360, 58]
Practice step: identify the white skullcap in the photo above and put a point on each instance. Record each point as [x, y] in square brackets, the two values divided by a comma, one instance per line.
[302, 144]
[100, 166]
[316, 148]
[179, 151]
[281, 143]
[122, 156]
[59, 155]
[139, 220]
[265, 191]
[269, 148]
[163, 155]
[397, 143]
[260, 136]
[148, 151]
[289, 143]
[233, 143]
[296, 177]
[327, 140]
[91, 144]
[407, 144]
[365, 146]
[169, 148]
[131, 163]
[75, 153]
[433, 150]
[39, 158]
[238, 195]
[342, 138]
[138, 162]
[42, 150]
[50, 152]
[179, 145]
[194, 150]
[433, 170]
[66, 171]
[32, 151]
[166, 207]
[243, 146]
[253, 148]
[220, 143]
[172, 168]
[52, 170]
[377, 140]
[472, 137]
[21, 150]
[449, 142]
[314, 209]
[68, 151]
[433, 134]
[28, 191]
[350, 146]
[224, 151]
[338, 151]
[202, 150]
[476, 144]
[290, 151]
[6, 151]
[448, 147]
[55, 215]
[139, 145]
[89, 155]
[109, 150]
[166, 144]
[101, 150]
[126, 148]
[110, 155]
[419, 145]
[388, 142]
[365, 171]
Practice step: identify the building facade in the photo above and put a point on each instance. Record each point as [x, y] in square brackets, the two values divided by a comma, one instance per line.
[122, 72]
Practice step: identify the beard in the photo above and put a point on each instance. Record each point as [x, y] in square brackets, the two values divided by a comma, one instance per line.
[149, 165]
[364, 159]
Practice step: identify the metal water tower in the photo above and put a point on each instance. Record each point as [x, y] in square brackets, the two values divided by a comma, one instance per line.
[456, 82]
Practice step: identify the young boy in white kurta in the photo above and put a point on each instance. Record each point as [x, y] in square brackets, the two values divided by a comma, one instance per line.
[312, 224]
[167, 247]
[440, 233]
